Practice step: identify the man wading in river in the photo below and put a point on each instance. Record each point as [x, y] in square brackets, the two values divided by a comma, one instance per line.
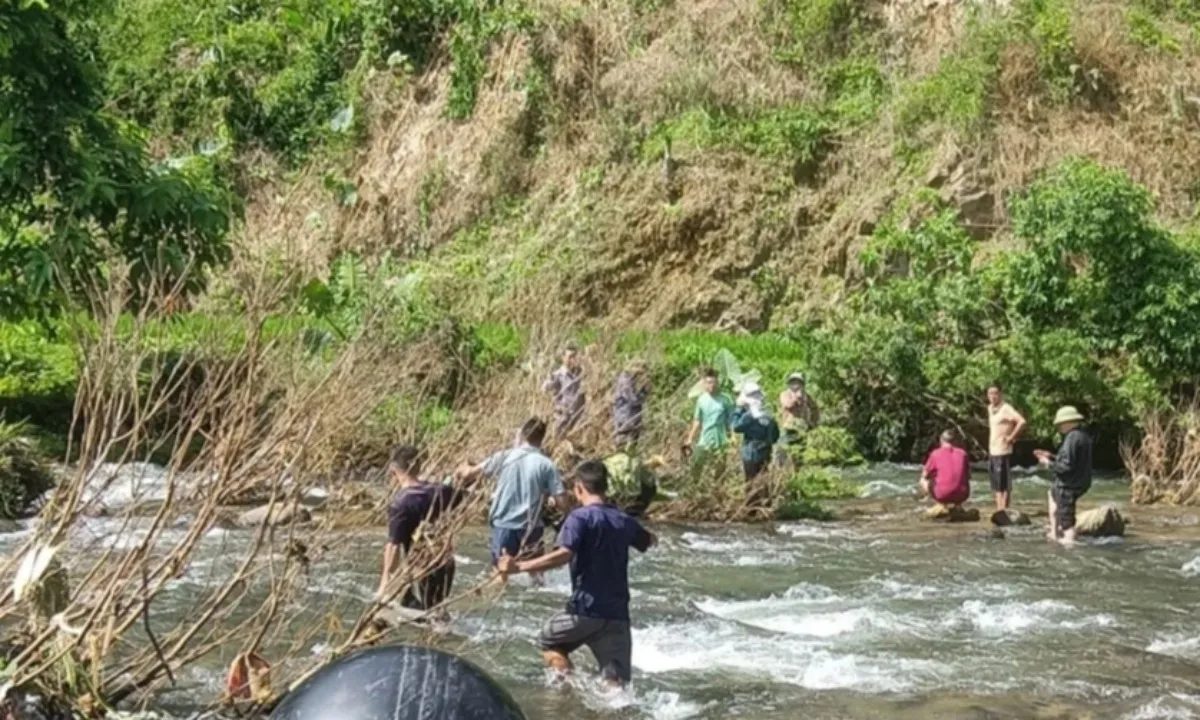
[1004, 427]
[595, 540]
[1072, 468]
[416, 508]
[525, 478]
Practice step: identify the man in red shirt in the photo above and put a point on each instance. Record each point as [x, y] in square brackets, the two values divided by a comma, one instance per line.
[947, 473]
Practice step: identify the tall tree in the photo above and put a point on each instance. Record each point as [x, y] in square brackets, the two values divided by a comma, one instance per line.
[77, 187]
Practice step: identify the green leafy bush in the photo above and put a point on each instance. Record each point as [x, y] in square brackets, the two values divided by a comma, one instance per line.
[1094, 309]
[829, 445]
[282, 75]
[806, 487]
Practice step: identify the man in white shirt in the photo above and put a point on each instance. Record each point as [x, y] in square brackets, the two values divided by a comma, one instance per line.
[1004, 427]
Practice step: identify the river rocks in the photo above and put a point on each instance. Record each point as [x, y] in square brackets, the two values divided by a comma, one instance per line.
[279, 515]
[952, 513]
[1010, 517]
[1100, 522]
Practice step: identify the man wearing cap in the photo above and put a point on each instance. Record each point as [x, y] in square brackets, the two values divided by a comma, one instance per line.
[1072, 468]
[798, 411]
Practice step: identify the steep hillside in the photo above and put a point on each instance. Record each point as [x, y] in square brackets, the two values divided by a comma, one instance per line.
[719, 163]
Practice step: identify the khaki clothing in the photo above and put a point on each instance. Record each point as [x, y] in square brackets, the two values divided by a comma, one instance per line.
[799, 417]
[1001, 421]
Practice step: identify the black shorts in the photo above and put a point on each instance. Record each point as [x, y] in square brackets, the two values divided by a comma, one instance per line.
[1000, 473]
[431, 590]
[1064, 504]
[609, 641]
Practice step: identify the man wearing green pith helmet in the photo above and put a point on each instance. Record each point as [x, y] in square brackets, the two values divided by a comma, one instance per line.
[1072, 468]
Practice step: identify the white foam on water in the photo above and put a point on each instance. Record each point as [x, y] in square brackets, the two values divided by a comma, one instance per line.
[822, 531]
[1177, 645]
[736, 551]
[121, 484]
[890, 588]
[1191, 568]
[721, 650]
[1009, 618]
[1176, 706]
[885, 488]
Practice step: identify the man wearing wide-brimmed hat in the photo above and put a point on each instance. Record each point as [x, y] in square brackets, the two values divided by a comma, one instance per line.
[1072, 468]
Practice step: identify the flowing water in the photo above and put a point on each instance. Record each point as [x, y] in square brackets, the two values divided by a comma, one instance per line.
[879, 616]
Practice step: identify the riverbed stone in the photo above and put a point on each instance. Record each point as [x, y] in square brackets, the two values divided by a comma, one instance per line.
[279, 515]
[1010, 517]
[1100, 522]
[952, 513]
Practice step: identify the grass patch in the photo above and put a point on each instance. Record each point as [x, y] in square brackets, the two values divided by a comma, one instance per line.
[795, 133]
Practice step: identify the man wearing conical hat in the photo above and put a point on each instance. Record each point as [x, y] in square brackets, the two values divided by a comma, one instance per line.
[1072, 468]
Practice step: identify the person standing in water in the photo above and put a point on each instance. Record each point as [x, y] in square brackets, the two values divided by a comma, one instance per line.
[566, 385]
[416, 507]
[1072, 469]
[758, 429]
[710, 429]
[946, 476]
[629, 402]
[798, 411]
[1004, 427]
[595, 541]
[525, 478]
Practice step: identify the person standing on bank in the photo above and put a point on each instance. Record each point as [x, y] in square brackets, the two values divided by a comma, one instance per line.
[1004, 427]
[758, 429]
[566, 385]
[629, 402]
[798, 412]
[1072, 469]
[525, 478]
[710, 429]
[417, 507]
[595, 541]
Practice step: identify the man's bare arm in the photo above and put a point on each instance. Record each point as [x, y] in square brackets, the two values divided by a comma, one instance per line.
[554, 559]
[391, 559]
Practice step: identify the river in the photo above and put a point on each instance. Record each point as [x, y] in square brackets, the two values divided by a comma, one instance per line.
[880, 615]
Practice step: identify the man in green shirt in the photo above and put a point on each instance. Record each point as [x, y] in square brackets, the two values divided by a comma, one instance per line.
[711, 420]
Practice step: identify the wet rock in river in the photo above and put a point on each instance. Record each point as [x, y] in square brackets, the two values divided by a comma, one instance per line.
[279, 515]
[9, 526]
[1100, 522]
[1010, 517]
[952, 513]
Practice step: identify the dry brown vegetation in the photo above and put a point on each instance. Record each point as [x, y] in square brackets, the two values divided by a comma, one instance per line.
[1165, 464]
[638, 257]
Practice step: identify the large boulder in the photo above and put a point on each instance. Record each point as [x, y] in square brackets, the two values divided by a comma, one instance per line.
[1010, 517]
[279, 515]
[1100, 522]
[952, 513]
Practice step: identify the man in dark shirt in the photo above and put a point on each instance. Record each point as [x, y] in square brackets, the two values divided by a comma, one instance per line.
[595, 540]
[416, 510]
[1072, 468]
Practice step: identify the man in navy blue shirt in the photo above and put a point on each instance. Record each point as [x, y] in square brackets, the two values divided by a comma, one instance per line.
[414, 514]
[595, 540]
